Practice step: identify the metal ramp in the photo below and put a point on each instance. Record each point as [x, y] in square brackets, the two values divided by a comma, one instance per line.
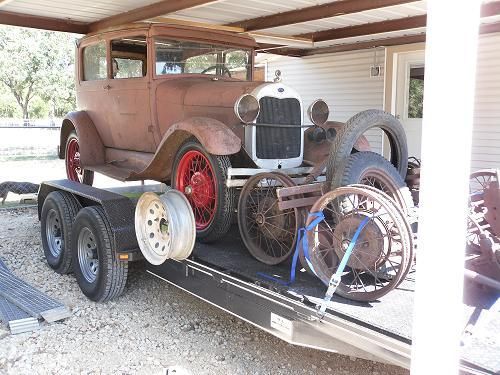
[21, 305]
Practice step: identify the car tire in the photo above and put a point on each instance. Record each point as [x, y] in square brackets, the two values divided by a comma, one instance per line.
[99, 273]
[74, 171]
[213, 213]
[57, 217]
[355, 127]
[365, 165]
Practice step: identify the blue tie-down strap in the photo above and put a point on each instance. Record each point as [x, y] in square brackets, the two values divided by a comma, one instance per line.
[336, 277]
[301, 241]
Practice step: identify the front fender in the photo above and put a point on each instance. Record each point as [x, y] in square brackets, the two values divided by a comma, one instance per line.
[213, 135]
[91, 147]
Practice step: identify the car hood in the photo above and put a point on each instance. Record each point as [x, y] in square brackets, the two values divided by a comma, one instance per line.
[204, 91]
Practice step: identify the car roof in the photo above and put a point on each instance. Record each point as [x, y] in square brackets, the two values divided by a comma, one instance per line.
[182, 32]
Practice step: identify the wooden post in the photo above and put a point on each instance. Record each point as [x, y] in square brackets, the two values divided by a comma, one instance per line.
[450, 58]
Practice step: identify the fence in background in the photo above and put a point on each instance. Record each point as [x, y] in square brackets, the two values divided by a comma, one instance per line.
[27, 142]
[33, 123]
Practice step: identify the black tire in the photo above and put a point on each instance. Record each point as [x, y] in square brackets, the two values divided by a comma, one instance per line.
[87, 176]
[58, 215]
[355, 127]
[111, 275]
[362, 165]
[225, 197]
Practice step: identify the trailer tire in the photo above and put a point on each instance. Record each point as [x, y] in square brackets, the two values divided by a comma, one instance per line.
[355, 127]
[99, 273]
[57, 217]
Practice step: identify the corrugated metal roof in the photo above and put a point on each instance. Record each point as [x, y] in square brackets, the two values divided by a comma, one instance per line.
[76, 10]
[221, 12]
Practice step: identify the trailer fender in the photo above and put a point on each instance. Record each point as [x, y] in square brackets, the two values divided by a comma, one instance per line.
[91, 147]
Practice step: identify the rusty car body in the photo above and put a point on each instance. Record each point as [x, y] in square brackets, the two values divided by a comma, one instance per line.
[163, 102]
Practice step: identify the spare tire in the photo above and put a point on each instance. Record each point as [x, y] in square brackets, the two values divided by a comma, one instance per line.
[355, 127]
[369, 168]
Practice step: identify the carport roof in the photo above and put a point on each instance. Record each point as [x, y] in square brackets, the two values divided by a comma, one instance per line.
[295, 27]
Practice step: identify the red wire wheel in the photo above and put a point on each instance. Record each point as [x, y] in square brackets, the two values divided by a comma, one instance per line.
[74, 170]
[196, 179]
[202, 178]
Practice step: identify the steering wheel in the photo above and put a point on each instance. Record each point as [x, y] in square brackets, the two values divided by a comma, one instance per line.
[225, 70]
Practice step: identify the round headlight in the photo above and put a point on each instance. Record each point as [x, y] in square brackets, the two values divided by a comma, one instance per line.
[247, 108]
[318, 112]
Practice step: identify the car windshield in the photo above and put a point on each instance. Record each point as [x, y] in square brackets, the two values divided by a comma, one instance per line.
[179, 57]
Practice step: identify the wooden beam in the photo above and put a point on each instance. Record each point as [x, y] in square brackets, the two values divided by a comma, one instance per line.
[367, 29]
[44, 23]
[205, 25]
[149, 11]
[316, 12]
[409, 39]
[490, 9]
[487, 10]
[385, 42]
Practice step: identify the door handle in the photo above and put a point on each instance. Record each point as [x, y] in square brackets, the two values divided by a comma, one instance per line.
[107, 87]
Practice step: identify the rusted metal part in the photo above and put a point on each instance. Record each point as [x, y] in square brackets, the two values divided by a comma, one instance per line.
[413, 178]
[91, 147]
[382, 248]
[483, 242]
[317, 150]
[268, 232]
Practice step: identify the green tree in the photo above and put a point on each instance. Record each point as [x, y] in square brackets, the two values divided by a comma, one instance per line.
[38, 63]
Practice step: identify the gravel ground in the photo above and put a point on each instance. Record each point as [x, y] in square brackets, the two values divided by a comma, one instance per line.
[152, 326]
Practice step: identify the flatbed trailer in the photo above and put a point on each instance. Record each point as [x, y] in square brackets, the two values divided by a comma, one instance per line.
[226, 276]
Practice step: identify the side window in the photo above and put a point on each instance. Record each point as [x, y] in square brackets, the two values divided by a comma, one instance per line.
[94, 62]
[129, 57]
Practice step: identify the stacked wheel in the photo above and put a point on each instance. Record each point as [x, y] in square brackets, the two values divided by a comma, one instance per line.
[268, 233]
[380, 238]
[201, 177]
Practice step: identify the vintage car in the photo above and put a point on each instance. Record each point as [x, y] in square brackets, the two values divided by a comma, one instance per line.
[178, 104]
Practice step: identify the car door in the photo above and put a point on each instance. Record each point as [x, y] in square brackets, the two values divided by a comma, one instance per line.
[128, 113]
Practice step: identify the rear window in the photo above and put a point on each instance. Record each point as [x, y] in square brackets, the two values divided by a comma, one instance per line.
[94, 62]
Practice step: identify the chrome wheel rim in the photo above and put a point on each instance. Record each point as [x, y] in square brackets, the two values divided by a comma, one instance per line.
[88, 258]
[53, 230]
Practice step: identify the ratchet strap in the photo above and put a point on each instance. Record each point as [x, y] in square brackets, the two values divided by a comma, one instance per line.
[301, 242]
[335, 279]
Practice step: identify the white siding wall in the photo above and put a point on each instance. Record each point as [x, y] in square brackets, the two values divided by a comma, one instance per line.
[486, 136]
[342, 80]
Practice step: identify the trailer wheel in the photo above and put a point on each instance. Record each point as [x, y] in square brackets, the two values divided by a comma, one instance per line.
[201, 177]
[74, 170]
[57, 217]
[99, 273]
[355, 127]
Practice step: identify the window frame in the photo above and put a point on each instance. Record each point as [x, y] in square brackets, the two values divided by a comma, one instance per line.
[145, 63]
[173, 38]
[81, 64]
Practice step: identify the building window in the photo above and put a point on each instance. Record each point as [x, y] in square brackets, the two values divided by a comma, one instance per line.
[416, 92]
[94, 62]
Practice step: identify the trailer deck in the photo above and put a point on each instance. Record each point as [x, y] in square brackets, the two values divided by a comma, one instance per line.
[225, 275]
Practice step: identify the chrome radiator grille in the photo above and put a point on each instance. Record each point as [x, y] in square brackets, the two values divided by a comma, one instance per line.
[278, 142]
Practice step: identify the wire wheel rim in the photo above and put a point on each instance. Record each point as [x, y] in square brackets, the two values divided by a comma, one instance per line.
[197, 181]
[53, 231]
[74, 169]
[376, 279]
[88, 257]
[269, 233]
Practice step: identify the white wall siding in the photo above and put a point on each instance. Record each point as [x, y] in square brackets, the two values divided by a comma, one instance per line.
[342, 80]
[486, 135]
